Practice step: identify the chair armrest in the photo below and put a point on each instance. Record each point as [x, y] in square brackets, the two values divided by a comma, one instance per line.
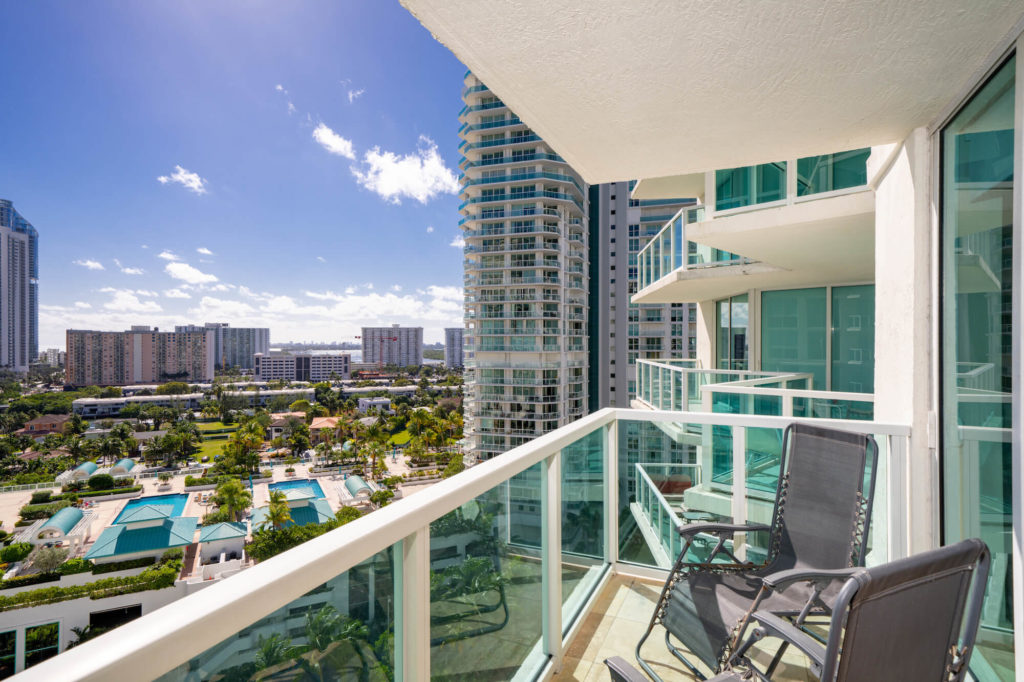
[775, 626]
[621, 671]
[781, 579]
[720, 528]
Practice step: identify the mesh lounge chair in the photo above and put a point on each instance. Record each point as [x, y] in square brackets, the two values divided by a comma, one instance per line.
[820, 521]
[903, 620]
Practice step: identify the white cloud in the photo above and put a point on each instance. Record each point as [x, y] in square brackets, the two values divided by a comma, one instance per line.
[187, 273]
[205, 251]
[90, 264]
[128, 270]
[145, 292]
[167, 255]
[186, 178]
[396, 287]
[291, 107]
[459, 242]
[279, 88]
[321, 259]
[176, 293]
[430, 229]
[333, 142]
[82, 305]
[420, 175]
[127, 301]
[353, 95]
[218, 308]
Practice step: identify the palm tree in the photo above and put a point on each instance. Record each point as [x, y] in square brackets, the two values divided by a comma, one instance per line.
[233, 495]
[273, 650]
[278, 512]
[110, 447]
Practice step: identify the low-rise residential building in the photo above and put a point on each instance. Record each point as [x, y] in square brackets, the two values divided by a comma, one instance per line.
[382, 404]
[111, 407]
[301, 366]
[43, 426]
[139, 355]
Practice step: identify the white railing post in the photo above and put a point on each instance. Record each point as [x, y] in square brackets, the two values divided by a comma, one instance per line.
[412, 617]
[611, 493]
[551, 557]
[739, 488]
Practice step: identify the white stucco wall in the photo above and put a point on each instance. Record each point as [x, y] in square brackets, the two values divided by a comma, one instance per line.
[904, 353]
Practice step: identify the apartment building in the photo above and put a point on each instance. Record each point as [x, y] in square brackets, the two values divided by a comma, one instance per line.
[139, 355]
[453, 353]
[394, 345]
[623, 331]
[526, 281]
[54, 357]
[233, 346]
[854, 259]
[19, 305]
[301, 366]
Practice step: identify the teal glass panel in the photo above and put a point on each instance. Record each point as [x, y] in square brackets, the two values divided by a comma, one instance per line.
[41, 642]
[853, 339]
[830, 172]
[732, 319]
[343, 628]
[737, 187]
[649, 508]
[977, 348]
[794, 332]
[582, 521]
[485, 583]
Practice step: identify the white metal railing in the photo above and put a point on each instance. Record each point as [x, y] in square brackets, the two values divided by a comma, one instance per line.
[655, 517]
[662, 385]
[183, 630]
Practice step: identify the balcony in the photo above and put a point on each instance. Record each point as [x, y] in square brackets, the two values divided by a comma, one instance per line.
[773, 225]
[494, 573]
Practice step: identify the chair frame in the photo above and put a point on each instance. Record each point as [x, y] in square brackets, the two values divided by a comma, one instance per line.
[725, 531]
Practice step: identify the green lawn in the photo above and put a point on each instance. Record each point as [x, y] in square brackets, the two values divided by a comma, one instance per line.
[400, 438]
[209, 449]
[215, 426]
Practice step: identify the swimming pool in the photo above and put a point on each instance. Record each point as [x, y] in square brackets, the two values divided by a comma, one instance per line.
[176, 502]
[300, 483]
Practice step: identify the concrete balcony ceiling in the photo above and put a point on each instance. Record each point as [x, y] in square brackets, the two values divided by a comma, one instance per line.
[657, 88]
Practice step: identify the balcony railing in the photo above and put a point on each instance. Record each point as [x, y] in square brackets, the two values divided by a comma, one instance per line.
[678, 385]
[489, 575]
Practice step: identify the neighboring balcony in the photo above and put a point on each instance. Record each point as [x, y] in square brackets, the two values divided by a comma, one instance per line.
[500, 572]
[785, 224]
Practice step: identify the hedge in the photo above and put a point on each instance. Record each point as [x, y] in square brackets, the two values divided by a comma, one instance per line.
[98, 493]
[152, 579]
[72, 566]
[41, 497]
[29, 580]
[15, 552]
[31, 512]
[99, 569]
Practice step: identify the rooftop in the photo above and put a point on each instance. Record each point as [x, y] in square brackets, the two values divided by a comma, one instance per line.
[222, 531]
[120, 539]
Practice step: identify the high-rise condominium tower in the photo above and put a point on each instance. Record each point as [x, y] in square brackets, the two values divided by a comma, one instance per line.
[623, 331]
[394, 345]
[19, 277]
[233, 346]
[525, 226]
[454, 355]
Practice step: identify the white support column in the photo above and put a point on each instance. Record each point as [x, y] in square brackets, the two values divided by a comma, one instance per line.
[551, 557]
[739, 488]
[412, 621]
[611, 493]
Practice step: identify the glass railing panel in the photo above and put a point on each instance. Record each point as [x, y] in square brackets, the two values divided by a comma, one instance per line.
[830, 172]
[485, 582]
[340, 630]
[828, 408]
[583, 514]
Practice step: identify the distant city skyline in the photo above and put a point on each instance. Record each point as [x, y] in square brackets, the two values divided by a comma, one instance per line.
[242, 180]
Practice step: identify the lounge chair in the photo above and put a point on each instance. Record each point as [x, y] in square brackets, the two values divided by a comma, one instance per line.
[820, 521]
[911, 619]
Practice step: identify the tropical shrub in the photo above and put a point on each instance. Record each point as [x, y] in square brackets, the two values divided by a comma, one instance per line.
[269, 542]
[99, 569]
[101, 482]
[41, 496]
[72, 566]
[31, 512]
[15, 552]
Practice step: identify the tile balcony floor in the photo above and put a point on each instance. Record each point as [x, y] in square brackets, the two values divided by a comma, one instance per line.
[618, 621]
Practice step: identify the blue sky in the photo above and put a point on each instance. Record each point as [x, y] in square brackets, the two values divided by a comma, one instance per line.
[287, 164]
